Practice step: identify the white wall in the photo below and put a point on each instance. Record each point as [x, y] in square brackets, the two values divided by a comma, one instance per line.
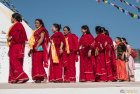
[5, 20]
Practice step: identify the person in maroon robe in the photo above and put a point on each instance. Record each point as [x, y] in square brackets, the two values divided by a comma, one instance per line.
[101, 71]
[112, 55]
[57, 48]
[39, 52]
[16, 39]
[71, 55]
[87, 60]
[106, 53]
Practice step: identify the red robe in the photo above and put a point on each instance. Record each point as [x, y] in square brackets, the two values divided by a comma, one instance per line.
[55, 73]
[112, 57]
[40, 58]
[101, 71]
[16, 53]
[71, 58]
[87, 64]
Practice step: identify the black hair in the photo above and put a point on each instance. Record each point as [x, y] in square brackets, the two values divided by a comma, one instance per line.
[58, 26]
[68, 28]
[124, 39]
[107, 32]
[17, 16]
[85, 27]
[103, 28]
[119, 38]
[98, 30]
[41, 22]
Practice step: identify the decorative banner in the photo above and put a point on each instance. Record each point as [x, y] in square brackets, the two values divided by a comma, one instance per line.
[129, 4]
[135, 16]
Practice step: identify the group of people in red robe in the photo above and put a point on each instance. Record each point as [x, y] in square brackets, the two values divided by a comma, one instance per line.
[97, 55]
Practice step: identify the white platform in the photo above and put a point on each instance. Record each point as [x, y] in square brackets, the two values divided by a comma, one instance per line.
[69, 85]
[71, 88]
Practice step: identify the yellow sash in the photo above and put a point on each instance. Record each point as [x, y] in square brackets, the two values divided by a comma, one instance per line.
[32, 39]
[67, 46]
[8, 43]
[54, 54]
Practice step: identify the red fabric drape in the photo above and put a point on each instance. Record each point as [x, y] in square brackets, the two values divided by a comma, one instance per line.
[40, 58]
[16, 53]
[71, 58]
[87, 64]
[55, 73]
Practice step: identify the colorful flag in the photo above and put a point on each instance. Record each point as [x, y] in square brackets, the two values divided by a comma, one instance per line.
[135, 16]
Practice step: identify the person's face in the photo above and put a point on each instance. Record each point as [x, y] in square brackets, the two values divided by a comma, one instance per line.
[117, 41]
[54, 29]
[104, 32]
[12, 20]
[123, 41]
[65, 31]
[37, 24]
[83, 31]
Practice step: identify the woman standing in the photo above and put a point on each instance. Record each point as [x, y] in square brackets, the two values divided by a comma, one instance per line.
[130, 61]
[38, 44]
[110, 57]
[121, 60]
[101, 71]
[16, 39]
[71, 55]
[87, 60]
[56, 54]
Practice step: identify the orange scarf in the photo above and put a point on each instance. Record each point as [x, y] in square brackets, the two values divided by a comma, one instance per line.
[67, 46]
[32, 39]
[54, 54]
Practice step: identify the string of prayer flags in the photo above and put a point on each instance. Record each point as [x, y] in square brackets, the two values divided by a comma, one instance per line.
[132, 5]
[135, 16]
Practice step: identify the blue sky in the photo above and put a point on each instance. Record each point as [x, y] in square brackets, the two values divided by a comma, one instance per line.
[76, 13]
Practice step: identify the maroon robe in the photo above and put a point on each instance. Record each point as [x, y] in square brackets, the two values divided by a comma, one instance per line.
[87, 64]
[71, 58]
[101, 71]
[55, 73]
[40, 58]
[112, 57]
[16, 53]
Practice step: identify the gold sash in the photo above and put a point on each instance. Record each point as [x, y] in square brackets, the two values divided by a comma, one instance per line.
[54, 54]
[67, 46]
[32, 39]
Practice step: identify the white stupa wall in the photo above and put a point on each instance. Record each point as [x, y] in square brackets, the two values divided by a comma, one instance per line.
[5, 24]
[5, 20]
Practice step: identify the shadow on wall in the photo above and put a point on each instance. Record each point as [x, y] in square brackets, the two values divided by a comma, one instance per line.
[137, 59]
